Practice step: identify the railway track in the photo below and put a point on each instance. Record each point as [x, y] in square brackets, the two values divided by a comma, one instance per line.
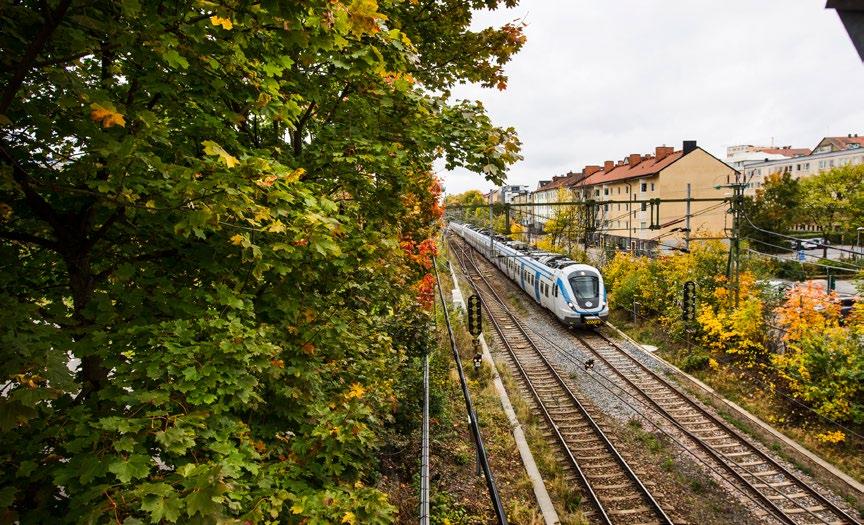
[614, 492]
[788, 498]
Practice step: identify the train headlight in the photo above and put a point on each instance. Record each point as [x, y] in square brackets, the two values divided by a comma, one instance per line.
[571, 305]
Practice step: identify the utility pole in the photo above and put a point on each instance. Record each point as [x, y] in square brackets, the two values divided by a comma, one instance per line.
[733, 265]
[491, 227]
[687, 223]
[507, 219]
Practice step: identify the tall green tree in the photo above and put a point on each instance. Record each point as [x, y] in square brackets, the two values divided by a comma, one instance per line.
[834, 200]
[212, 224]
[775, 208]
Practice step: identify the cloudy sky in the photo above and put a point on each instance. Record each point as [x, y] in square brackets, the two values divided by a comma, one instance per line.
[599, 80]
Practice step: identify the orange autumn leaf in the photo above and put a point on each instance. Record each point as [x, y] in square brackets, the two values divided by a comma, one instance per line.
[106, 115]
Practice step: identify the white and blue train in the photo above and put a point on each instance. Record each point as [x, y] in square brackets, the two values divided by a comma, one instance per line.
[573, 292]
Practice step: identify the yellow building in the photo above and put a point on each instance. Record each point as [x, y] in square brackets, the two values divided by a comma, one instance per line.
[624, 191]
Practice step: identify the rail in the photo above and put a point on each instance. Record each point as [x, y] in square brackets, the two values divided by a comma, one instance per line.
[424, 447]
[469, 406]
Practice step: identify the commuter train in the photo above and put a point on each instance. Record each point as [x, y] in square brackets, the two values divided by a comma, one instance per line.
[573, 292]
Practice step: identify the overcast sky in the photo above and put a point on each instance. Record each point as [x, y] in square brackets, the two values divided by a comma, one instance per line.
[599, 80]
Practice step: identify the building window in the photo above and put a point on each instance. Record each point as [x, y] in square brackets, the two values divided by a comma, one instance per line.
[597, 192]
[605, 207]
[652, 186]
[619, 190]
[831, 163]
[605, 191]
[642, 225]
[644, 186]
[619, 207]
[644, 206]
[627, 188]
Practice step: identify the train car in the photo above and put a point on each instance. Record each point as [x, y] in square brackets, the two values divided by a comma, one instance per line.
[574, 292]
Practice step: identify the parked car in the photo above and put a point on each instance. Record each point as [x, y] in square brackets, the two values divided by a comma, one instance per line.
[808, 244]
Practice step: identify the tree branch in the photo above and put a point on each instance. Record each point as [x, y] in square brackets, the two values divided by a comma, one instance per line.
[33, 50]
[36, 202]
[297, 134]
[26, 237]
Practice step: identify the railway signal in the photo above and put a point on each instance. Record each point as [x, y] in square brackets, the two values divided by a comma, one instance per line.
[475, 318]
[688, 306]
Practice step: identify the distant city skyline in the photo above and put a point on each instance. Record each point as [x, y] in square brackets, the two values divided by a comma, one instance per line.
[599, 81]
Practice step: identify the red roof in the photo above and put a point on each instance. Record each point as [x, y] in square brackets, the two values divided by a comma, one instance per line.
[788, 152]
[647, 167]
[561, 182]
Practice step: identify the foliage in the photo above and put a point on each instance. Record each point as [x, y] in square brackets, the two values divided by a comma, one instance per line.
[212, 226]
[834, 200]
[737, 333]
[656, 285]
[823, 364]
[774, 208]
[565, 228]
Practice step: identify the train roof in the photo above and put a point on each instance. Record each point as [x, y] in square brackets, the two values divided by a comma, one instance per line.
[549, 259]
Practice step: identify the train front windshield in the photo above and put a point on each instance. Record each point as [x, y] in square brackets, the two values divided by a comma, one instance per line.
[584, 285]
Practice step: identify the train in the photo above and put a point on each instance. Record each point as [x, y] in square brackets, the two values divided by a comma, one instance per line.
[573, 292]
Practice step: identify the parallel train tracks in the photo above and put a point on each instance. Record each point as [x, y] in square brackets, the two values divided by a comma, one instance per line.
[614, 492]
[789, 499]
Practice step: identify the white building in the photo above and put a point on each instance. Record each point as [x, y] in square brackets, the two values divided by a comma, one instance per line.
[831, 152]
[739, 156]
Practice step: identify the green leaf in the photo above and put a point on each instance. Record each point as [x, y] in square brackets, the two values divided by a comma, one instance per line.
[175, 59]
[134, 467]
[162, 507]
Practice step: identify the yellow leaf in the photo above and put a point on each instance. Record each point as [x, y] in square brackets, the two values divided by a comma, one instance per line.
[356, 390]
[349, 518]
[297, 508]
[106, 115]
[219, 21]
[276, 227]
[237, 239]
[211, 148]
[150, 204]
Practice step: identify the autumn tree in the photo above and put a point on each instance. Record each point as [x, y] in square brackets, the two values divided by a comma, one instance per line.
[823, 361]
[213, 225]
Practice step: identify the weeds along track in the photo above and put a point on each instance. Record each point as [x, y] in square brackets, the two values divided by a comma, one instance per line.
[613, 492]
[786, 496]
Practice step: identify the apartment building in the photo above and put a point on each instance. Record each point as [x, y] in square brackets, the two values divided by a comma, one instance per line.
[831, 152]
[628, 214]
[739, 156]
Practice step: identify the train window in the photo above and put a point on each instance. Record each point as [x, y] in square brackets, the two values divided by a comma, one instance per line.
[585, 286]
[555, 290]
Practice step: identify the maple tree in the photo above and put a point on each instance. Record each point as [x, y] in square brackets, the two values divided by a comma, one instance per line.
[208, 314]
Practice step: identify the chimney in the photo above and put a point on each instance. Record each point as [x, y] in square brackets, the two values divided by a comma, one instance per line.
[661, 152]
[587, 171]
[849, 136]
[608, 165]
[688, 146]
[634, 159]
